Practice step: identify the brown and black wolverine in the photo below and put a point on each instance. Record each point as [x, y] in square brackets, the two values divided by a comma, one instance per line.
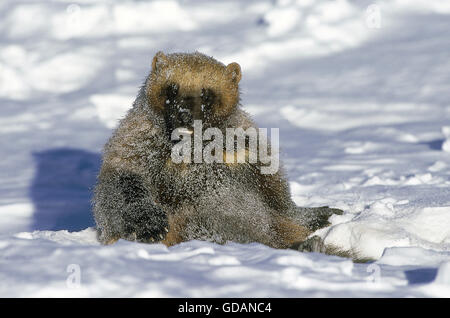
[142, 195]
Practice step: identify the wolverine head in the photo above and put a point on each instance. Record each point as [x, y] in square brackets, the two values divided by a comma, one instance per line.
[184, 87]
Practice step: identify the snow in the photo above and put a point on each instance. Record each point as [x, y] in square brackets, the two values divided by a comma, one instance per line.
[446, 143]
[358, 89]
[443, 275]
[46, 263]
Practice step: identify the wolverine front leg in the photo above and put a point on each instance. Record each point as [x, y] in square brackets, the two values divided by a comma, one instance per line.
[125, 208]
[275, 190]
[314, 219]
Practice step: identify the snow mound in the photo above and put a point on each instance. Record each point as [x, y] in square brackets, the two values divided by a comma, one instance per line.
[381, 226]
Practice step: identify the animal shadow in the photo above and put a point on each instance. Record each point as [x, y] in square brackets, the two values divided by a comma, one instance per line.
[61, 190]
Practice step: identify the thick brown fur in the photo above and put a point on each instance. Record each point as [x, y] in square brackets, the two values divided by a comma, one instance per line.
[142, 195]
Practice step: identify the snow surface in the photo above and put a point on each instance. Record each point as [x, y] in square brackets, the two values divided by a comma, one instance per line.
[359, 90]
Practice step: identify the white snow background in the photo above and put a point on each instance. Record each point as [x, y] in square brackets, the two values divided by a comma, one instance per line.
[359, 89]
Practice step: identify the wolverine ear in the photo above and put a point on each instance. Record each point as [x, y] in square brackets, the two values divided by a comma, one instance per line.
[158, 61]
[234, 70]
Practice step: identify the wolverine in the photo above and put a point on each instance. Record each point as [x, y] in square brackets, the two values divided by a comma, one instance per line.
[143, 195]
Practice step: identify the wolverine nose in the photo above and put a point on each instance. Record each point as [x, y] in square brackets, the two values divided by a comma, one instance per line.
[185, 118]
[189, 110]
[189, 102]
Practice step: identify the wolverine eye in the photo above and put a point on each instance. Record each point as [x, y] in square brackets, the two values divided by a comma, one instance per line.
[171, 91]
[208, 97]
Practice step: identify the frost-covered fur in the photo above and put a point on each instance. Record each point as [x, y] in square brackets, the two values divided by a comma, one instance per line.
[142, 195]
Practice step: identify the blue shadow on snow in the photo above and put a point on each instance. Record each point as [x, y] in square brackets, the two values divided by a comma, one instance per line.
[421, 275]
[61, 190]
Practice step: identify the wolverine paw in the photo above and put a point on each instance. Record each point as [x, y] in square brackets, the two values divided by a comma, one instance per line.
[313, 244]
[147, 235]
[144, 222]
[153, 237]
[317, 218]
